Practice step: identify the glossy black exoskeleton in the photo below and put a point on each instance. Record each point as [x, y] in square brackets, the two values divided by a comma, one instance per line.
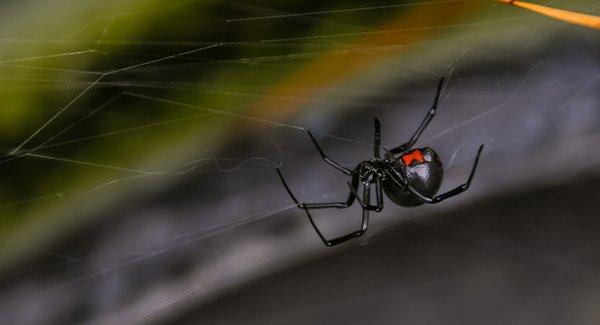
[409, 177]
[422, 169]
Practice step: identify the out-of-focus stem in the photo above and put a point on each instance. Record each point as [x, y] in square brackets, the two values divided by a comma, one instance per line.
[571, 17]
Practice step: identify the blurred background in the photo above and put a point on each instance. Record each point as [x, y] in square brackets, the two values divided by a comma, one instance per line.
[139, 141]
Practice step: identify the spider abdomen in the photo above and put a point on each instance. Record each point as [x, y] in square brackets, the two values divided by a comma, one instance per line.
[424, 172]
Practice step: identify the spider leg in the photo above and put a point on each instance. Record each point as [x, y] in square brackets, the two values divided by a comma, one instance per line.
[449, 194]
[461, 188]
[341, 205]
[323, 205]
[377, 141]
[327, 159]
[367, 194]
[424, 123]
[362, 231]
[365, 220]
[354, 234]
[378, 195]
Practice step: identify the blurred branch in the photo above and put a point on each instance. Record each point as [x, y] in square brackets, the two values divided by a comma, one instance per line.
[570, 17]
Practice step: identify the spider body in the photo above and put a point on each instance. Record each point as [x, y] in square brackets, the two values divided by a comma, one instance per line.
[409, 177]
[423, 170]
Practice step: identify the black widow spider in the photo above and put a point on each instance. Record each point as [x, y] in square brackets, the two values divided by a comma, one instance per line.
[409, 177]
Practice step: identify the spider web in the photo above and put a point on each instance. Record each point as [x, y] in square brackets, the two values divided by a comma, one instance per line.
[141, 141]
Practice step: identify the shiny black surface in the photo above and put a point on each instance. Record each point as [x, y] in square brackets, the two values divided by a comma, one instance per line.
[426, 177]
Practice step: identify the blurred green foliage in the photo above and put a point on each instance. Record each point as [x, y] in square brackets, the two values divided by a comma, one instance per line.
[51, 52]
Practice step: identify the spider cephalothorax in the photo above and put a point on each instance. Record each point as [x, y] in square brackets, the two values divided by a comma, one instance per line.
[409, 177]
